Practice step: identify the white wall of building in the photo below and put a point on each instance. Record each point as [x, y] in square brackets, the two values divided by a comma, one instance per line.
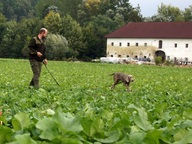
[181, 52]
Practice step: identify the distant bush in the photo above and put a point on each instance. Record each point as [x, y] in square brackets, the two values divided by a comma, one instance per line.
[168, 63]
[57, 47]
[158, 60]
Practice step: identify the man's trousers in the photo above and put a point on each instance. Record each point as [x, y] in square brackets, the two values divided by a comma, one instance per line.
[36, 68]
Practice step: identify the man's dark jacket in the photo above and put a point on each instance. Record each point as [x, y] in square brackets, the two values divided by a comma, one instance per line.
[37, 45]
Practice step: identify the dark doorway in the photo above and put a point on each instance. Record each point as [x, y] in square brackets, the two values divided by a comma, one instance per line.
[161, 54]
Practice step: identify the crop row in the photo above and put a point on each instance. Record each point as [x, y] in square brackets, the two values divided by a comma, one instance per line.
[84, 109]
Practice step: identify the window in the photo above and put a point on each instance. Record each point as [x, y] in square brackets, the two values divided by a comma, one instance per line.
[145, 57]
[186, 59]
[175, 45]
[136, 44]
[160, 44]
[128, 44]
[119, 44]
[111, 55]
[168, 58]
[119, 55]
[127, 55]
[175, 59]
[145, 44]
[112, 44]
[136, 56]
[187, 45]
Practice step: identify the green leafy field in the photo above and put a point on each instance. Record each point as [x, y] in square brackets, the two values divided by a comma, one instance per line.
[84, 110]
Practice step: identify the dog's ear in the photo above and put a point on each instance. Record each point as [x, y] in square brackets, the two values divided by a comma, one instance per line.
[127, 79]
[130, 78]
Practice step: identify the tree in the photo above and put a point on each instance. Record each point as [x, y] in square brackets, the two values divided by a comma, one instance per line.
[2, 18]
[42, 6]
[74, 35]
[128, 12]
[83, 22]
[168, 14]
[92, 6]
[17, 9]
[7, 48]
[70, 7]
[93, 42]
[123, 8]
[116, 9]
[94, 34]
[188, 13]
[53, 22]
[57, 47]
[1, 7]
[51, 8]
[87, 9]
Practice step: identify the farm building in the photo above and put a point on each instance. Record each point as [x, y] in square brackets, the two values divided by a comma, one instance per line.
[146, 40]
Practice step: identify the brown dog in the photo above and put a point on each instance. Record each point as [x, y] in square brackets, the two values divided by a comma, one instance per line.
[121, 77]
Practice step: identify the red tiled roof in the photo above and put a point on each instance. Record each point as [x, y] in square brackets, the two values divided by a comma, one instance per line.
[175, 30]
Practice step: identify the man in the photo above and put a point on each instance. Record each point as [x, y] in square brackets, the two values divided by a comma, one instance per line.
[37, 55]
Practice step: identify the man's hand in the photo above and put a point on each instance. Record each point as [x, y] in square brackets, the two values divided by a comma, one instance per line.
[39, 54]
[45, 61]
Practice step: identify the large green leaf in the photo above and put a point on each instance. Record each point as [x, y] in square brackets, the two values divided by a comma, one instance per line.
[153, 136]
[70, 141]
[96, 128]
[137, 137]
[3, 120]
[24, 139]
[67, 122]
[5, 134]
[21, 121]
[183, 137]
[121, 124]
[93, 128]
[187, 124]
[112, 137]
[107, 114]
[188, 114]
[86, 124]
[49, 128]
[141, 118]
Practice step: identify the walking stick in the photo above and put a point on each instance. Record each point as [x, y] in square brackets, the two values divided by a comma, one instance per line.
[51, 75]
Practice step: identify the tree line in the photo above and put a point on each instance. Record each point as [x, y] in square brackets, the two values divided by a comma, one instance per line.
[76, 27]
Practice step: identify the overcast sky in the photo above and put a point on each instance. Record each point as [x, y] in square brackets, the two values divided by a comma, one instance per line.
[149, 7]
